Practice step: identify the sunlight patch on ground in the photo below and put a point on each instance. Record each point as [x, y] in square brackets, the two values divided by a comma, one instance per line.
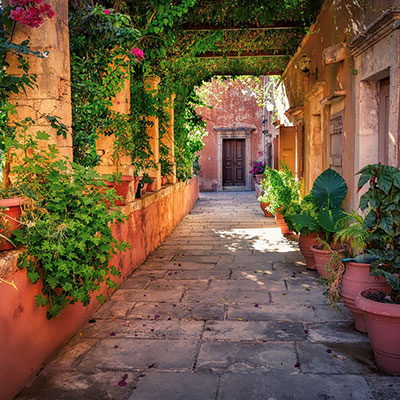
[260, 239]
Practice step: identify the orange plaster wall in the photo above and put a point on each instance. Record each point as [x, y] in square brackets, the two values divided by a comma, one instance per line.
[28, 339]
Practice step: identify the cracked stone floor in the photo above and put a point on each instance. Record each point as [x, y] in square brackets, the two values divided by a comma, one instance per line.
[224, 309]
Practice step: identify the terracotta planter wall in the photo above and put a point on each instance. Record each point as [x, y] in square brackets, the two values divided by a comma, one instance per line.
[263, 207]
[12, 210]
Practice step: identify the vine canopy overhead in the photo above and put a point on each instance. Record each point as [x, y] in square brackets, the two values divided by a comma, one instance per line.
[239, 37]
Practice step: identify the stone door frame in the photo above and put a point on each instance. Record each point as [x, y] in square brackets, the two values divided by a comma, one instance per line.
[234, 133]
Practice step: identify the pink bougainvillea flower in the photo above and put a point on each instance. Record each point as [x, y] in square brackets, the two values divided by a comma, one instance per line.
[31, 12]
[107, 11]
[122, 382]
[297, 365]
[156, 316]
[138, 53]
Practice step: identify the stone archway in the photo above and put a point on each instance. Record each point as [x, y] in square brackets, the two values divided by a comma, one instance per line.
[233, 133]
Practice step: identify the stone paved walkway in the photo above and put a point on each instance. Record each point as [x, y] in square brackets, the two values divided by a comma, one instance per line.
[225, 310]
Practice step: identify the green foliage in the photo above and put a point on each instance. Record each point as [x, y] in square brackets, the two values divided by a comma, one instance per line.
[65, 232]
[329, 191]
[381, 204]
[280, 188]
[100, 44]
[301, 217]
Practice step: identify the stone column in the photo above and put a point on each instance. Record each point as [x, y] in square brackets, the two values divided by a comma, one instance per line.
[121, 104]
[169, 140]
[151, 85]
[52, 96]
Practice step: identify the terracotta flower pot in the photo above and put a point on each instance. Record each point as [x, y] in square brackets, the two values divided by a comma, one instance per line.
[383, 327]
[151, 187]
[305, 243]
[137, 180]
[281, 223]
[144, 188]
[355, 279]
[12, 210]
[322, 258]
[121, 188]
[164, 180]
[263, 208]
[259, 177]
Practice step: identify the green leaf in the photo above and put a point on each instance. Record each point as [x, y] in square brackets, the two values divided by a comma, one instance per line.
[370, 220]
[40, 300]
[384, 178]
[329, 189]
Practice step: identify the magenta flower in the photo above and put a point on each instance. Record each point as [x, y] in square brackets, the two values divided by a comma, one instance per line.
[107, 11]
[138, 53]
[31, 12]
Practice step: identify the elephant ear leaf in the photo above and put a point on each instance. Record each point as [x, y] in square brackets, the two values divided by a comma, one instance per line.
[329, 189]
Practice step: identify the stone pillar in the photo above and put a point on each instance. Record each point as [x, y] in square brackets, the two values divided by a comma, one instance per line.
[151, 85]
[121, 103]
[52, 96]
[169, 140]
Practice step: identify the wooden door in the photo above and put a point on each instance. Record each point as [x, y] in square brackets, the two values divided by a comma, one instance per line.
[336, 142]
[233, 162]
[287, 147]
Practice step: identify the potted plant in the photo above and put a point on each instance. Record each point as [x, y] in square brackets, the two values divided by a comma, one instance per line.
[329, 191]
[279, 189]
[146, 180]
[152, 185]
[166, 169]
[355, 276]
[382, 222]
[10, 212]
[258, 168]
[121, 185]
[301, 217]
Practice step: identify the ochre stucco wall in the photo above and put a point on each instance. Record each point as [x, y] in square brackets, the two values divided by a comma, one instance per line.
[236, 107]
[27, 338]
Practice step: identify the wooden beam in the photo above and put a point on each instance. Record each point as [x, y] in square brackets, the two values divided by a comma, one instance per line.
[236, 54]
[277, 25]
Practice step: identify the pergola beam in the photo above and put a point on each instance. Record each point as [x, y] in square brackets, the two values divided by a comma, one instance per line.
[277, 25]
[236, 54]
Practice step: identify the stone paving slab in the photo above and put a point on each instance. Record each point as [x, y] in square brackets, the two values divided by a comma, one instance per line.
[175, 386]
[140, 354]
[253, 331]
[224, 356]
[182, 310]
[293, 387]
[143, 329]
[223, 310]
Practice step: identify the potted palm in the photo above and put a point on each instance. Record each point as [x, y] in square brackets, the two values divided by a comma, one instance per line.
[382, 222]
[329, 191]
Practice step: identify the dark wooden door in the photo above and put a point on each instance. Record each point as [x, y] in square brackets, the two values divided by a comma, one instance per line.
[384, 94]
[233, 162]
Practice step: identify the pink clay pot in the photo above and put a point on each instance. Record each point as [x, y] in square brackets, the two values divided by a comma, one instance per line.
[355, 279]
[259, 177]
[121, 188]
[322, 258]
[305, 243]
[281, 223]
[152, 186]
[383, 327]
[144, 188]
[263, 208]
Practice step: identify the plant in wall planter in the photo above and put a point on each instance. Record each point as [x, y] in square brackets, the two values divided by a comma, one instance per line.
[10, 213]
[146, 181]
[258, 169]
[301, 217]
[280, 188]
[65, 228]
[166, 169]
[381, 308]
[121, 185]
[152, 186]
